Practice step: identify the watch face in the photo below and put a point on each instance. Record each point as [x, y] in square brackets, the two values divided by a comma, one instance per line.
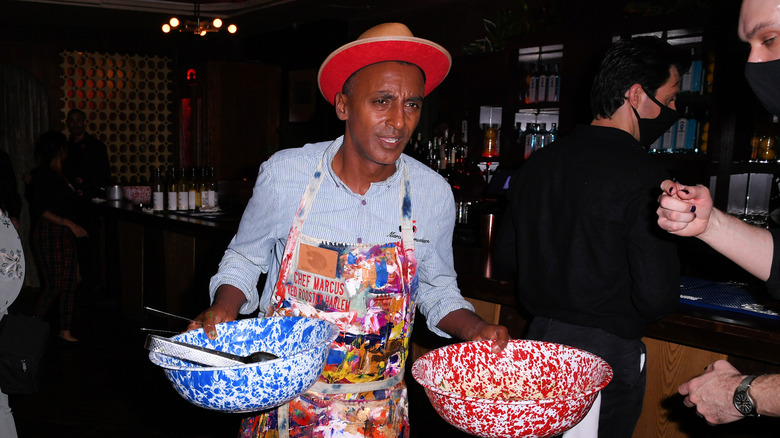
[743, 403]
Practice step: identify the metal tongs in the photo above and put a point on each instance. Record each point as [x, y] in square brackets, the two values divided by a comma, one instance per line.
[202, 355]
[197, 354]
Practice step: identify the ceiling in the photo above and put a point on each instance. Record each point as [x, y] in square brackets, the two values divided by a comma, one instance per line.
[226, 8]
[135, 24]
[235, 8]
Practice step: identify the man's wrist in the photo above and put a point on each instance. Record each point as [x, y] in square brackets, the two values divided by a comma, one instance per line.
[743, 401]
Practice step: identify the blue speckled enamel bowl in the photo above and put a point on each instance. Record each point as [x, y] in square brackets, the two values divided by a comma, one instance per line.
[302, 345]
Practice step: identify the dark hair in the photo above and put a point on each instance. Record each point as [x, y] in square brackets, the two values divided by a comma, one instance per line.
[74, 112]
[349, 84]
[642, 60]
[49, 145]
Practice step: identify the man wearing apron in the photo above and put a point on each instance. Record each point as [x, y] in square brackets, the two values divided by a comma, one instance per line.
[356, 233]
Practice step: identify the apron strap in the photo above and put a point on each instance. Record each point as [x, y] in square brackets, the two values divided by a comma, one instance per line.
[407, 227]
[405, 200]
[283, 420]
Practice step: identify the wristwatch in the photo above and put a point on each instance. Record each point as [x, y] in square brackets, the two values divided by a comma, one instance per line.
[742, 400]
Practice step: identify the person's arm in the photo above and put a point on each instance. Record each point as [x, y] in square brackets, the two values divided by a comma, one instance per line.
[439, 298]
[467, 325]
[765, 391]
[712, 393]
[227, 303]
[651, 254]
[75, 228]
[688, 211]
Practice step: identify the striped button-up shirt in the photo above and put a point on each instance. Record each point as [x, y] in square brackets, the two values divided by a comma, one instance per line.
[340, 215]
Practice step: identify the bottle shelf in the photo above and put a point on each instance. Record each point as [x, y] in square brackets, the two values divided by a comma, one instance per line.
[770, 166]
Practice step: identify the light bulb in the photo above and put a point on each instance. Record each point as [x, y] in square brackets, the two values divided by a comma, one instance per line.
[217, 23]
[232, 28]
[174, 22]
[166, 28]
[203, 33]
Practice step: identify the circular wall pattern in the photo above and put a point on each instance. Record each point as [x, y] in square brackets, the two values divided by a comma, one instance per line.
[109, 88]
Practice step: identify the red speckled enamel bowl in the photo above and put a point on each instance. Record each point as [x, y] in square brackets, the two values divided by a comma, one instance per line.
[531, 389]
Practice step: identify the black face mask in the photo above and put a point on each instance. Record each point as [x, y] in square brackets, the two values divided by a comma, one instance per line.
[651, 129]
[764, 79]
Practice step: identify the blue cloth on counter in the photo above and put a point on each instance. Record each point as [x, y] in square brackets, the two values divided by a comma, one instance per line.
[725, 296]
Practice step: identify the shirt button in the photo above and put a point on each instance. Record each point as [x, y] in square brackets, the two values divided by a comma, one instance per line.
[363, 202]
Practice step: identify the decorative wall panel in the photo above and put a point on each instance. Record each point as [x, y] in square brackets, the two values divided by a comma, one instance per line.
[128, 103]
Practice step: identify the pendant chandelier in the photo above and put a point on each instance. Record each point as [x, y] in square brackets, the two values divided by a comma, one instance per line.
[197, 26]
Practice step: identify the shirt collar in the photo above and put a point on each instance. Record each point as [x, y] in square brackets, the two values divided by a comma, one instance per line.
[334, 147]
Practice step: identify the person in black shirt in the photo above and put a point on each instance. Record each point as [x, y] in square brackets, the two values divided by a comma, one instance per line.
[593, 268]
[87, 168]
[87, 165]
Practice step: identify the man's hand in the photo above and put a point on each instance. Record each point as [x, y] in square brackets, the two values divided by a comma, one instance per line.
[467, 325]
[712, 393]
[683, 210]
[227, 303]
[496, 333]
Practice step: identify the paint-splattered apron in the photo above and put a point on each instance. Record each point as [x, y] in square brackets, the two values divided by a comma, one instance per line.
[368, 290]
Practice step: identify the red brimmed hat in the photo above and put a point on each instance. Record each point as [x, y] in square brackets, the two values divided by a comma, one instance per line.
[383, 42]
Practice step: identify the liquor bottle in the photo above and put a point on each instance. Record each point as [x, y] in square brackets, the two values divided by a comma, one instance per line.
[192, 190]
[533, 83]
[453, 152]
[553, 85]
[182, 189]
[158, 191]
[540, 132]
[203, 187]
[417, 148]
[530, 140]
[541, 84]
[520, 134]
[524, 97]
[170, 179]
[551, 135]
[432, 156]
[213, 189]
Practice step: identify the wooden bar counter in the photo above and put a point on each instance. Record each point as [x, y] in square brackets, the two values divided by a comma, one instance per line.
[161, 260]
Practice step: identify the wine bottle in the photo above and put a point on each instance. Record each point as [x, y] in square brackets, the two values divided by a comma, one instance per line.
[182, 191]
[213, 189]
[203, 187]
[192, 190]
[158, 191]
[173, 201]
